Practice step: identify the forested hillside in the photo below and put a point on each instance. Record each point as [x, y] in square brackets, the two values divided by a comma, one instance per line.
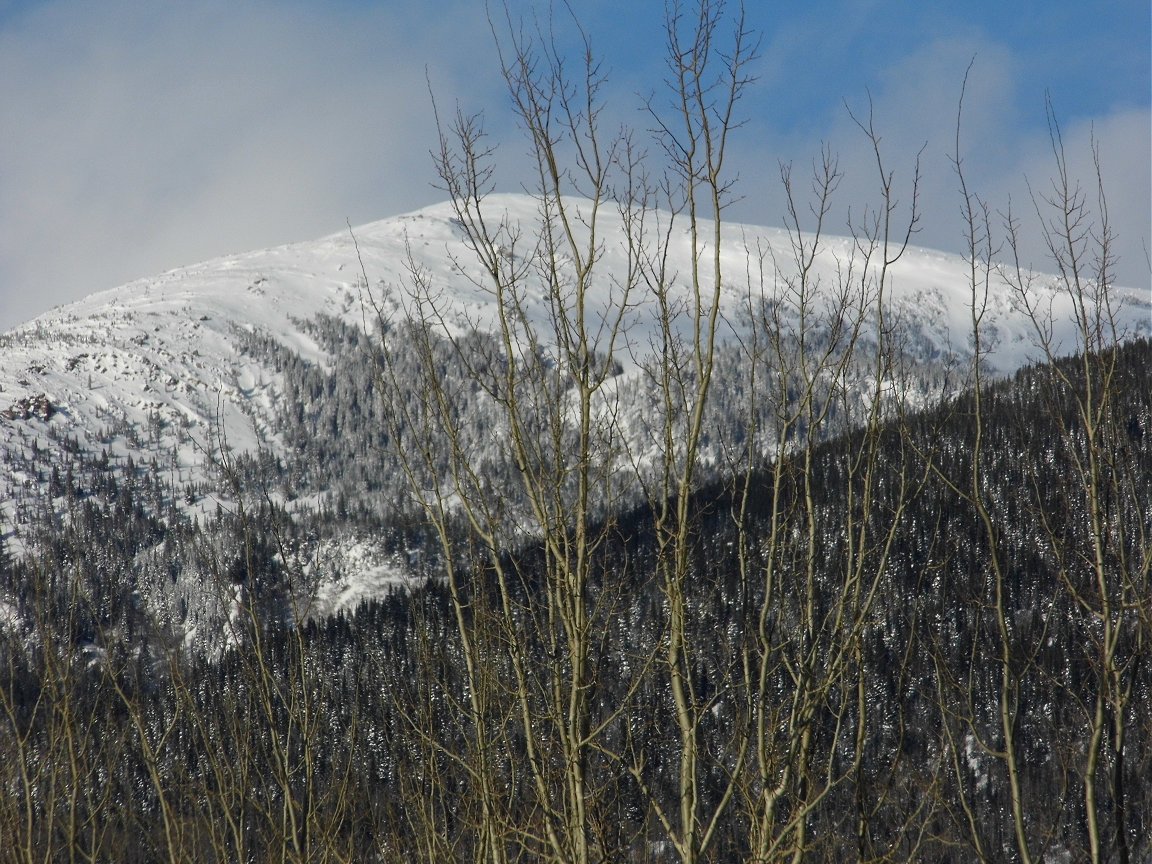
[908, 686]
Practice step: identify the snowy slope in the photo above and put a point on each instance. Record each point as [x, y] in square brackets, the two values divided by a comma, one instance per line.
[154, 368]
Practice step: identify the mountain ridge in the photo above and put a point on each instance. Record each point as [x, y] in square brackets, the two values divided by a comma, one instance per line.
[860, 567]
[163, 369]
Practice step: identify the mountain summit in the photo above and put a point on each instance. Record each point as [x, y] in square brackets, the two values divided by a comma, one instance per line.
[170, 371]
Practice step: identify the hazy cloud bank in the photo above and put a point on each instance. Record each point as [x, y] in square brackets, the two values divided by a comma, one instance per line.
[140, 137]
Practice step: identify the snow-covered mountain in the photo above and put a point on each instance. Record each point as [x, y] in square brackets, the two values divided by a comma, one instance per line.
[162, 370]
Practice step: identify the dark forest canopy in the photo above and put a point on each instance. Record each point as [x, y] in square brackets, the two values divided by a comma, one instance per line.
[351, 737]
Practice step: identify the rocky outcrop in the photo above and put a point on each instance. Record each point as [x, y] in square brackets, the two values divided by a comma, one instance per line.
[28, 407]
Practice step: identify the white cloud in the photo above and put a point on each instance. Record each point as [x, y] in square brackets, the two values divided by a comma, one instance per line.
[1123, 140]
[1003, 140]
[142, 136]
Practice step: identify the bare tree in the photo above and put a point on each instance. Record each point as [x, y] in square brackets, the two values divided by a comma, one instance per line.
[545, 390]
[1105, 566]
[568, 462]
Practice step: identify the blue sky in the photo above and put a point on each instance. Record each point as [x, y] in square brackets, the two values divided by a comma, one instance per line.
[141, 136]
